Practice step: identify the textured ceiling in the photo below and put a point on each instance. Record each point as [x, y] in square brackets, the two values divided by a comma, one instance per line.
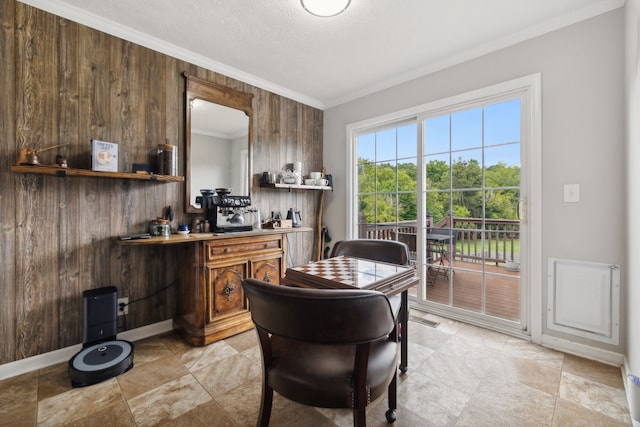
[276, 45]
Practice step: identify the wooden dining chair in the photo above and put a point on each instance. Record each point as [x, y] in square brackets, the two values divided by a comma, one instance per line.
[324, 348]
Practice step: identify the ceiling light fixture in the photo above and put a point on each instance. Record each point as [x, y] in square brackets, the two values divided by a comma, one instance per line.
[325, 8]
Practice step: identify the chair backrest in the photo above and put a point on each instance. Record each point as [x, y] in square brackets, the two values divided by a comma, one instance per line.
[390, 251]
[320, 316]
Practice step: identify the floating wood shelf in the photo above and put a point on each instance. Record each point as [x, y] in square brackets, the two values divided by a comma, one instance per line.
[63, 172]
[298, 187]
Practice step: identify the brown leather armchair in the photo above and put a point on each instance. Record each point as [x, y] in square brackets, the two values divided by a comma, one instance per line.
[390, 251]
[324, 348]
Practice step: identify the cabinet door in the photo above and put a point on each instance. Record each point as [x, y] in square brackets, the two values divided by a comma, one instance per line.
[267, 270]
[225, 294]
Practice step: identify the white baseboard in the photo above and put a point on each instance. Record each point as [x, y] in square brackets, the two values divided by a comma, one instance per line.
[44, 360]
[582, 350]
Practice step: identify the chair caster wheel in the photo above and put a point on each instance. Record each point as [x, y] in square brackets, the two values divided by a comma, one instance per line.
[391, 415]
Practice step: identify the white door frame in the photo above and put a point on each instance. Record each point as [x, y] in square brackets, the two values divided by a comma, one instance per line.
[531, 183]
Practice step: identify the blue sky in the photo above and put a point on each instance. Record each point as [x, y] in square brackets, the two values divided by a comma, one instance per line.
[461, 131]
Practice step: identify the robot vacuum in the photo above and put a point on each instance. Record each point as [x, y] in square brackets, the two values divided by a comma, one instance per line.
[102, 355]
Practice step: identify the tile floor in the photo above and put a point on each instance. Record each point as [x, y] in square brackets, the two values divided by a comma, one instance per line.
[459, 375]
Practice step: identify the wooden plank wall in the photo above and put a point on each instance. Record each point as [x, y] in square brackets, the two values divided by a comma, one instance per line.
[64, 83]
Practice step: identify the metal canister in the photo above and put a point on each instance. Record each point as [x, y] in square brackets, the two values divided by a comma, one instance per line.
[160, 227]
[154, 228]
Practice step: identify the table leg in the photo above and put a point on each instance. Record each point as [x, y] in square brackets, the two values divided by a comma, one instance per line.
[404, 332]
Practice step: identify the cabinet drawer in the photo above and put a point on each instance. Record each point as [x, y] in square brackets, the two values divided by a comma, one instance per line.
[267, 270]
[243, 246]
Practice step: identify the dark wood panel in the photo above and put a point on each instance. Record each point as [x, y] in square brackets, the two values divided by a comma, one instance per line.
[37, 241]
[7, 183]
[68, 234]
[65, 83]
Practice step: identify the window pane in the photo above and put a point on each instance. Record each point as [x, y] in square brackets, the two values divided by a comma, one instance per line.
[502, 204]
[365, 208]
[438, 204]
[407, 175]
[467, 291]
[502, 122]
[386, 145]
[498, 173]
[366, 176]
[499, 290]
[436, 139]
[467, 203]
[386, 208]
[407, 137]
[407, 207]
[466, 170]
[438, 172]
[386, 177]
[367, 147]
[507, 155]
[466, 129]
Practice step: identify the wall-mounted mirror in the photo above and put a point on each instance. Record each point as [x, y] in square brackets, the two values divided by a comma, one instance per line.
[219, 139]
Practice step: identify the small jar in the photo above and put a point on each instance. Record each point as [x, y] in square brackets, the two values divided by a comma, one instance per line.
[159, 227]
[164, 227]
[154, 229]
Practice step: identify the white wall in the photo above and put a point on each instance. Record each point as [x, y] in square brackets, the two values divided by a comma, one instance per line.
[210, 157]
[632, 78]
[582, 133]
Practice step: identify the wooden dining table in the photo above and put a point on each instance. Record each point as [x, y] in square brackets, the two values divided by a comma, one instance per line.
[345, 272]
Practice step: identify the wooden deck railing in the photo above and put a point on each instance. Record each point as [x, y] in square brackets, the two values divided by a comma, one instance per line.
[501, 237]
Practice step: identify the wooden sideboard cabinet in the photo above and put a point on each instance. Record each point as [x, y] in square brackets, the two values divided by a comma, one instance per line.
[211, 300]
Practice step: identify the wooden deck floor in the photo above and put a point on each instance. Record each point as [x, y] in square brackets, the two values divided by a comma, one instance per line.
[502, 295]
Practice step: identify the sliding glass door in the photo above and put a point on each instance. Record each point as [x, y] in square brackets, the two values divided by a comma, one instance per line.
[471, 194]
[458, 180]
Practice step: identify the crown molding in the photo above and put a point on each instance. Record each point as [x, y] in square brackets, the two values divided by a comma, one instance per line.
[83, 17]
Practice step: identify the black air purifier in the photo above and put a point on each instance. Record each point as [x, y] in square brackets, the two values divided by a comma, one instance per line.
[102, 355]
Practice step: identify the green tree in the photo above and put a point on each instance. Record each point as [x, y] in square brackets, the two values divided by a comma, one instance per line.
[389, 192]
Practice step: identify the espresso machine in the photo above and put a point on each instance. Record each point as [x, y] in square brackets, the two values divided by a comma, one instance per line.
[225, 212]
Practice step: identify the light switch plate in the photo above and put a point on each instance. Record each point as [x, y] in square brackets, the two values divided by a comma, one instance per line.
[571, 193]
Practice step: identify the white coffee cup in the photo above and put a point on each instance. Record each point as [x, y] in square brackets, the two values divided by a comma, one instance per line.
[315, 175]
[309, 181]
[321, 181]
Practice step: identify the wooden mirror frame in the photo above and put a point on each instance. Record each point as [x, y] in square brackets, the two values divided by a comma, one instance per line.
[197, 88]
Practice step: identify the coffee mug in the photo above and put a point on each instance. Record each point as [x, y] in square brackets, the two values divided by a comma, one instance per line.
[323, 182]
[309, 181]
[315, 175]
